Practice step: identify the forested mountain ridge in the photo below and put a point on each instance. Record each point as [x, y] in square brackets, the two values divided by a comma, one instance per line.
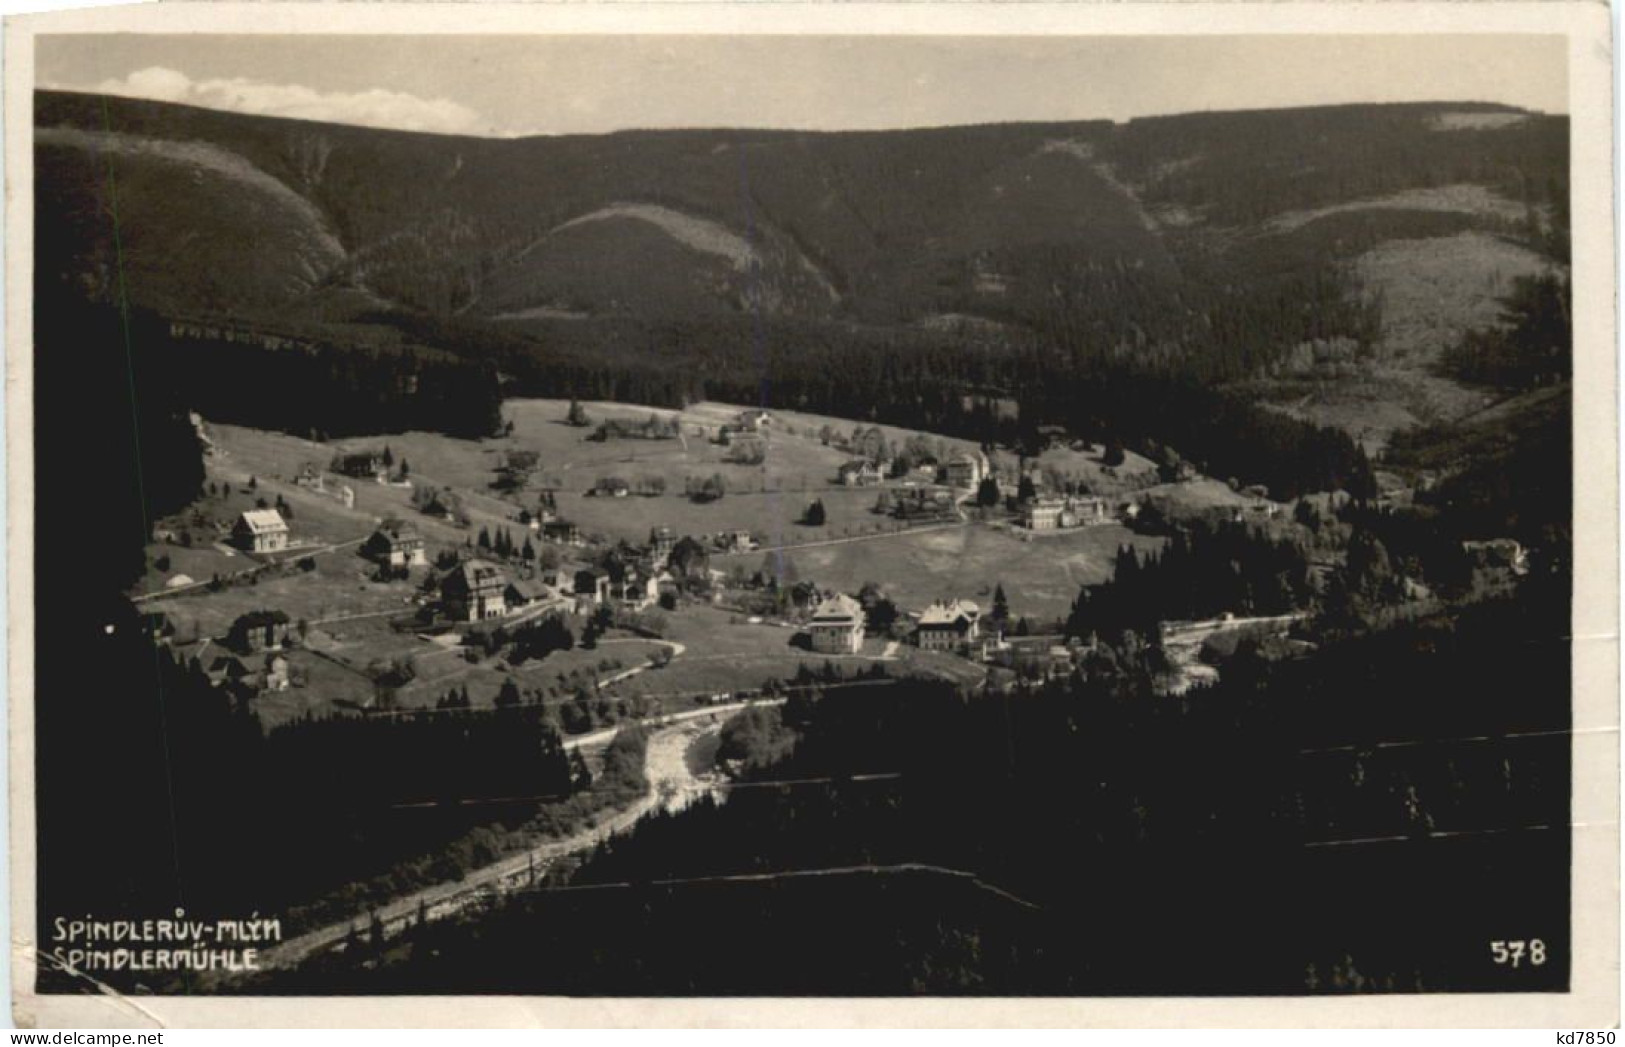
[1323, 261]
[872, 227]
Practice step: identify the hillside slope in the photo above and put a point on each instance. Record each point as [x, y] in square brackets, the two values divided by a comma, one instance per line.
[182, 225]
[1251, 246]
[864, 225]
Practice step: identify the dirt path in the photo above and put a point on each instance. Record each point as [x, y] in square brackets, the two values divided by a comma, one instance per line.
[671, 786]
[672, 646]
[292, 553]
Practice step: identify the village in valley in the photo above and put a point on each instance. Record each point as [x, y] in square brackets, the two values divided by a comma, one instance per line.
[623, 564]
[1014, 559]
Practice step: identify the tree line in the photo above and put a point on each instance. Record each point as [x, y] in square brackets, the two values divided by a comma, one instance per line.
[1203, 571]
[1081, 837]
[319, 389]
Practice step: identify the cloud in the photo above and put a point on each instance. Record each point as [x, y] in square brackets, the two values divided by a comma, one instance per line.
[374, 108]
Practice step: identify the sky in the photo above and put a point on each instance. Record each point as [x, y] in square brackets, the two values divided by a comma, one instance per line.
[517, 85]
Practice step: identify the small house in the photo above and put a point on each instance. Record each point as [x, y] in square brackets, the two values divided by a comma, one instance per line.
[836, 626]
[1046, 514]
[859, 472]
[1086, 512]
[1042, 514]
[260, 531]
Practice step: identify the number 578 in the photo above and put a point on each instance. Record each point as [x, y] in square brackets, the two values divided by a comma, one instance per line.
[1514, 953]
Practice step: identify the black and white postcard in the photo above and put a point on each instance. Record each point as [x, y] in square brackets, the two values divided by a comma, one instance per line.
[689, 514]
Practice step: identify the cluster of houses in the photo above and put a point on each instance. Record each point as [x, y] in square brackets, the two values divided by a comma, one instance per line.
[964, 471]
[950, 626]
[252, 659]
[626, 586]
[478, 590]
[546, 521]
[630, 580]
[247, 677]
[563, 532]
